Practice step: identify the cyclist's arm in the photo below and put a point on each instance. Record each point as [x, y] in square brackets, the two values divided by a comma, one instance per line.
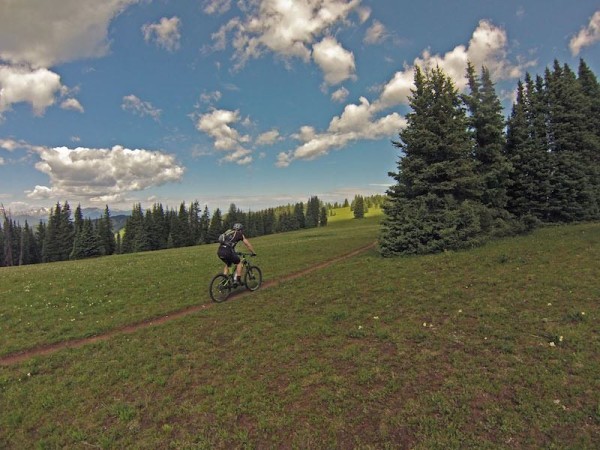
[247, 244]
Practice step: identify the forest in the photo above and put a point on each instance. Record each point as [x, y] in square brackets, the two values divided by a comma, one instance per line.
[66, 235]
[467, 175]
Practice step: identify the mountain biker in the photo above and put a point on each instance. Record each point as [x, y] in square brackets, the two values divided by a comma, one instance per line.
[226, 251]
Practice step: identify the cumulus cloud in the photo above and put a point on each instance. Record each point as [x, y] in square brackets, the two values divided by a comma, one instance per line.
[268, 138]
[487, 47]
[340, 95]
[35, 36]
[285, 28]
[376, 33]
[38, 87]
[336, 63]
[165, 33]
[72, 103]
[219, 125]
[102, 174]
[216, 6]
[43, 34]
[140, 108]
[587, 36]
[366, 120]
[357, 122]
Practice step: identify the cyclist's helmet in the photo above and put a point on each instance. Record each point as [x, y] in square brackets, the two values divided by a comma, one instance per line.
[238, 226]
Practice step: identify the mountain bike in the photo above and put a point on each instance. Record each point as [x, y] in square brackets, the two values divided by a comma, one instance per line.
[221, 286]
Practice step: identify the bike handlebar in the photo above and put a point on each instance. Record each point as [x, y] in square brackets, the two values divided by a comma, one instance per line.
[243, 255]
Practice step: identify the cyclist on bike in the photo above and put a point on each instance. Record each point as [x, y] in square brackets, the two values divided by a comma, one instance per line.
[227, 253]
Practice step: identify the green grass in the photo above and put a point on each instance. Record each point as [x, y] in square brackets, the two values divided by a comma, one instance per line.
[445, 351]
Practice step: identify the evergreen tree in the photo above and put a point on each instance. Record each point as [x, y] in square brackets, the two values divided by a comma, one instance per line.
[487, 124]
[572, 197]
[359, 207]
[434, 204]
[313, 209]
[299, 217]
[51, 247]
[77, 220]
[194, 223]
[106, 233]
[204, 225]
[135, 237]
[530, 186]
[216, 227]
[87, 242]
[66, 234]
[591, 152]
[323, 216]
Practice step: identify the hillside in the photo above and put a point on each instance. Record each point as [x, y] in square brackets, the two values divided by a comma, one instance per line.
[490, 348]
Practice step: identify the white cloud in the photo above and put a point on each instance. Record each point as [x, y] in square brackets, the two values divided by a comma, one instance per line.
[35, 36]
[587, 36]
[165, 33]
[140, 108]
[268, 138]
[1, 161]
[357, 122]
[73, 104]
[210, 97]
[336, 63]
[218, 124]
[340, 95]
[43, 34]
[487, 47]
[285, 28]
[216, 6]
[38, 87]
[376, 33]
[100, 174]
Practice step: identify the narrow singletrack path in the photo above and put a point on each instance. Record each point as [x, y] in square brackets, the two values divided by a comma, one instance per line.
[24, 355]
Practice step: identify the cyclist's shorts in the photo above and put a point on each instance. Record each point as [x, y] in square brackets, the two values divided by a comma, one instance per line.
[228, 255]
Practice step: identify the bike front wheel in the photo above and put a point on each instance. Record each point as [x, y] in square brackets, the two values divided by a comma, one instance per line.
[220, 288]
[253, 278]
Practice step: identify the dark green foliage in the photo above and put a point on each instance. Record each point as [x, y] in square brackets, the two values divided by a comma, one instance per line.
[435, 204]
[87, 242]
[526, 149]
[486, 122]
[216, 227]
[359, 207]
[312, 212]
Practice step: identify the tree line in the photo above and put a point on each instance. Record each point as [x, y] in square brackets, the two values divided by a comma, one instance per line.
[466, 174]
[64, 237]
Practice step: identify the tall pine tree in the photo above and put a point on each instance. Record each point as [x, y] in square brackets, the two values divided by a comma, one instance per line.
[434, 204]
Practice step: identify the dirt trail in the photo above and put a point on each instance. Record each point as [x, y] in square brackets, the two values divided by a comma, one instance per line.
[128, 329]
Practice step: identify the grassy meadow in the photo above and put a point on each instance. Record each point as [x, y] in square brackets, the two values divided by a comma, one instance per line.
[496, 347]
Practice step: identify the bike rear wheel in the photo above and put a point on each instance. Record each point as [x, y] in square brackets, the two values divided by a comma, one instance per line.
[220, 288]
[253, 278]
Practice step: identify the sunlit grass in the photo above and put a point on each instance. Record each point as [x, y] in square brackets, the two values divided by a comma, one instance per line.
[491, 348]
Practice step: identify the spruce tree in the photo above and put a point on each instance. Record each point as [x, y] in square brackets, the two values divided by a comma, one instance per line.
[530, 186]
[591, 93]
[216, 227]
[359, 207]
[51, 247]
[434, 204]
[572, 197]
[106, 233]
[487, 125]
[204, 224]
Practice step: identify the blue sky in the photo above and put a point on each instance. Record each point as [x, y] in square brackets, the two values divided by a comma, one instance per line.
[253, 102]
